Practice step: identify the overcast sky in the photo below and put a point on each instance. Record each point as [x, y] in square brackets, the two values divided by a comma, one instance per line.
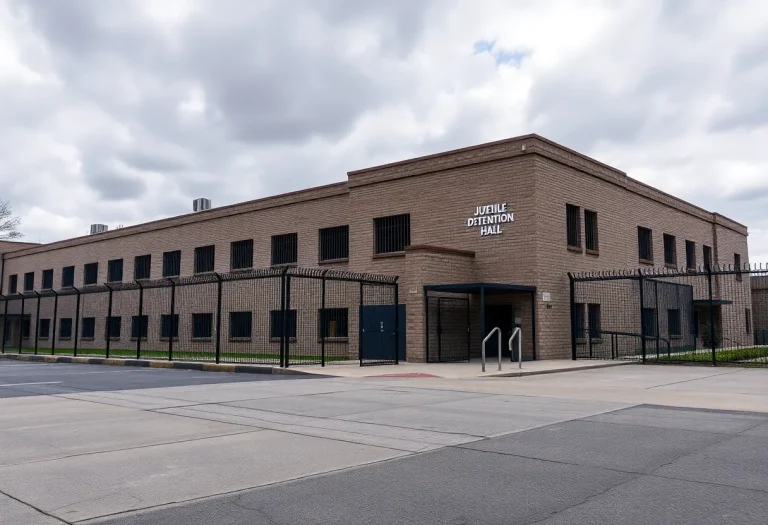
[123, 111]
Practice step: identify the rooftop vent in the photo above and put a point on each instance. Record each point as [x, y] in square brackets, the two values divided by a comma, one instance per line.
[98, 228]
[201, 204]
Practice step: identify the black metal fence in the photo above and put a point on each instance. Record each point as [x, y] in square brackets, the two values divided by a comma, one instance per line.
[447, 326]
[283, 317]
[708, 316]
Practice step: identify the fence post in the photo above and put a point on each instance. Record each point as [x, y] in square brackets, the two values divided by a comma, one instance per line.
[397, 323]
[712, 329]
[174, 324]
[287, 318]
[21, 322]
[573, 316]
[658, 324]
[323, 321]
[360, 327]
[641, 281]
[77, 321]
[282, 316]
[439, 331]
[53, 321]
[5, 321]
[108, 331]
[139, 320]
[37, 321]
[218, 317]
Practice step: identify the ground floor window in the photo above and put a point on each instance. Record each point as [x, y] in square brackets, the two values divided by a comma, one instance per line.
[333, 322]
[276, 324]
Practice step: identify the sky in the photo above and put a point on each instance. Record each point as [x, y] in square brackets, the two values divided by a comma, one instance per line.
[120, 112]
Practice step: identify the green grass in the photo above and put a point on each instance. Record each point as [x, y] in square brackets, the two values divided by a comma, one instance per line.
[735, 355]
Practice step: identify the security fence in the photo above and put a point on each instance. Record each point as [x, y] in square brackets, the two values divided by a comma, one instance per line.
[715, 315]
[283, 317]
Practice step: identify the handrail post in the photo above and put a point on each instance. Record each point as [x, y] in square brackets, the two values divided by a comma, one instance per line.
[218, 317]
[37, 321]
[519, 334]
[485, 340]
[323, 320]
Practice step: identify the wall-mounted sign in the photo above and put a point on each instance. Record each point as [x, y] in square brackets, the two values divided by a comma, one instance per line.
[490, 217]
[546, 297]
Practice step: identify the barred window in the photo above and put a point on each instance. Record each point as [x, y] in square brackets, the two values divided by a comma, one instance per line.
[169, 326]
[88, 327]
[172, 263]
[90, 273]
[139, 324]
[578, 320]
[115, 271]
[241, 255]
[333, 322]
[240, 325]
[392, 234]
[68, 277]
[595, 328]
[573, 218]
[276, 324]
[205, 257]
[590, 230]
[29, 281]
[13, 283]
[737, 266]
[202, 326]
[47, 283]
[707, 258]
[142, 265]
[26, 328]
[645, 244]
[285, 248]
[334, 243]
[44, 331]
[65, 328]
[650, 326]
[112, 327]
[690, 255]
[673, 322]
[670, 250]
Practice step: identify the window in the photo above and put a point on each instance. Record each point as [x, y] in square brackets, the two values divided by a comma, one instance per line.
[737, 265]
[87, 327]
[169, 326]
[593, 312]
[47, 283]
[670, 250]
[673, 323]
[13, 284]
[748, 317]
[690, 255]
[240, 325]
[645, 244]
[333, 322]
[91, 273]
[68, 277]
[139, 325]
[26, 328]
[573, 218]
[115, 271]
[172, 264]
[707, 258]
[29, 281]
[590, 231]
[204, 258]
[578, 320]
[276, 324]
[285, 248]
[44, 331]
[65, 328]
[241, 255]
[391, 234]
[202, 326]
[334, 243]
[650, 326]
[142, 267]
[112, 327]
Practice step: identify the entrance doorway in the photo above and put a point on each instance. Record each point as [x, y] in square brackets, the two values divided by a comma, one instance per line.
[507, 318]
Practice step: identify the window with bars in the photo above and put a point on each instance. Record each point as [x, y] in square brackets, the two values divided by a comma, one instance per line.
[202, 326]
[334, 243]
[139, 325]
[44, 331]
[29, 281]
[573, 220]
[690, 255]
[26, 328]
[205, 257]
[276, 324]
[333, 322]
[737, 266]
[707, 257]
[112, 327]
[240, 325]
[172, 263]
[47, 283]
[595, 321]
[88, 327]
[285, 249]
[91, 273]
[748, 317]
[13, 284]
[590, 231]
[673, 323]
[645, 244]
[650, 324]
[68, 277]
[391, 234]
[169, 326]
[115, 271]
[670, 250]
[142, 267]
[65, 328]
[241, 255]
[578, 320]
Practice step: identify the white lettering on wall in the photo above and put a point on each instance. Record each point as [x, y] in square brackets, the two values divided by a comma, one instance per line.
[490, 217]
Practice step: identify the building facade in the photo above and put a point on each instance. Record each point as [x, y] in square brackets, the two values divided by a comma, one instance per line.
[479, 237]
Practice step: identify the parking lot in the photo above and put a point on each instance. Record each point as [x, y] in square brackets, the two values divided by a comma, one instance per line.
[99, 444]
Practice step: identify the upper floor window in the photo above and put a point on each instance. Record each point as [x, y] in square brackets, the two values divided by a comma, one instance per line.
[115, 271]
[670, 250]
[205, 257]
[47, 283]
[334, 243]
[708, 257]
[590, 231]
[645, 244]
[13, 283]
[68, 276]
[91, 273]
[690, 255]
[392, 234]
[241, 255]
[737, 265]
[285, 248]
[142, 267]
[573, 218]
[172, 263]
[29, 281]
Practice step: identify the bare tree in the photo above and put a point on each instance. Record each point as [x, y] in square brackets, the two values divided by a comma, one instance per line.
[9, 225]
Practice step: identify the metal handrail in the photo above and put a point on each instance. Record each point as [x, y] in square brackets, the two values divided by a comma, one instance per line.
[495, 330]
[519, 333]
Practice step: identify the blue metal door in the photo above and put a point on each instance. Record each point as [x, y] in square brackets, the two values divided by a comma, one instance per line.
[377, 338]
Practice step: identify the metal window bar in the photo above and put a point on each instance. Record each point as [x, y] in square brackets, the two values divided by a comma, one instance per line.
[670, 249]
[690, 255]
[205, 257]
[91, 273]
[241, 255]
[47, 282]
[392, 234]
[240, 325]
[142, 265]
[645, 243]
[29, 281]
[172, 263]
[590, 229]
[13, 284]
[115, 271]
[285, 249]
[334, 243]
[573, 220]
[68, 277]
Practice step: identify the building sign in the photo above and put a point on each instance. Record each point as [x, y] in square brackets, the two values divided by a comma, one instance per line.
[489, 218]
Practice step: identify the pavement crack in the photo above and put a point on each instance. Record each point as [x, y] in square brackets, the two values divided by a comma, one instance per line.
[36, 509]
[694, 379]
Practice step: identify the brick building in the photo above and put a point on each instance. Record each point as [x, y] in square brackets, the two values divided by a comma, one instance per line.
[479, 237]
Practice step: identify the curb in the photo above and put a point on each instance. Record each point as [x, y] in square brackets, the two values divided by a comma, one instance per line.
[149, 363]
[557, 370]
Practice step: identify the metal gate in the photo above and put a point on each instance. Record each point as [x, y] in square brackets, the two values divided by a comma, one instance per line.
[448, 322]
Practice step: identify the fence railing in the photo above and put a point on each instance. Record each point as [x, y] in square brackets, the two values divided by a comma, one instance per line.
[277, 316]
